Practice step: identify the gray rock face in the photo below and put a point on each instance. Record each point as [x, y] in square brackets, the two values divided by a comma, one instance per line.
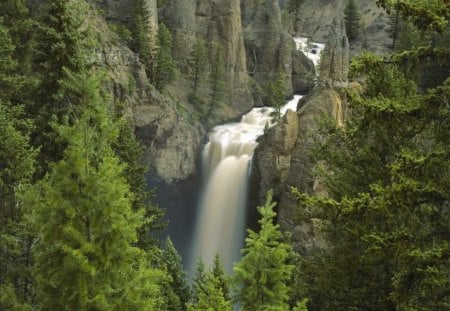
[283, 159]
[316, 22]
[303, 74]
[335, 59]
[269, 48]
[217, 22]
[172, 141]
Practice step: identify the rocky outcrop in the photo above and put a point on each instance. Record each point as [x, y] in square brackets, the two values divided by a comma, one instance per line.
[122, 12]
[317, 18]
[217, 22]
[335, 59]
[303, 73]
[283, 160]
[269, 48]
[170, 135]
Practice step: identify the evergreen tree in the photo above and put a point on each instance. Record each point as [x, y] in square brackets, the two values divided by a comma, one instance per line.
[263, 272]
[219, 273]
[198, 63]
[277, 97]
[386, 217]
[179, 293]
[394, 26]
[130, 151]
[82, 214]
[216, 78]
[352, 20]
[17, 160]
[141, 33]
[294, 6]
[211, 298]
[198, 284]
[65, 40]
[164, 66]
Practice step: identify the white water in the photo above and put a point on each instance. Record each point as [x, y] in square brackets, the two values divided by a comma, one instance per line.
[313, 50]
[227, 156]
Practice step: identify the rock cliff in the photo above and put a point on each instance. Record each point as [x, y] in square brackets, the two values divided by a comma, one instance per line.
[283, 157]
[317, 20]
[270, 49]
[217, 22]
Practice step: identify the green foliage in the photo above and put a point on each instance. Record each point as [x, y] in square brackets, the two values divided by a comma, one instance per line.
[219, 274]
[17, 163]
[386, 217]
[425, 14]
[277, 96]
[83, 216]
[263, 272]
[141, 31]
[198, 284]
[164, 67]
[130, 151]
[122, 32]
[293, 6]
[352, 19]
[211, 298]
[210, 288]
[66, 41]
[216, 78]
[197, 63]
[178, 288]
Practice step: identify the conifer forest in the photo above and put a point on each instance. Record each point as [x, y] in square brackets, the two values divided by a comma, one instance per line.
[218, 155]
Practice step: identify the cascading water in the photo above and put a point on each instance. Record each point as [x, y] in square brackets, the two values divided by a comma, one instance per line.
[226, 160]
[220, 225]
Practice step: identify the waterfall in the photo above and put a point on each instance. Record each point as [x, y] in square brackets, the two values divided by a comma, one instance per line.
[220, 223]
[220, 226]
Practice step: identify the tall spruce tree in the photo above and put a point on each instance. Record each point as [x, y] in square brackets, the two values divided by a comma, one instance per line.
[164, 67]
[17, 160]
[352, 19]
[277, 96]
[211, 298]
[293, 7]
[262, 274]
[141, 33]
[219, 273]
[65, 40]
[198, 62]
[216, 78]
[83, 217]
[178, 288]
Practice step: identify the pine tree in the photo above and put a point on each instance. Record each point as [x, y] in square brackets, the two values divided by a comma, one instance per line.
[386, 217]
[219, 273]
[164, 66]
[198, 284]
[277, 94]
[216, 79]
[179, 293]
[17, 160]
[82, 214]
[130, 151]
[198, 63]
[211, 298]
[294, 6]
[141, 33]
[394, 27]
[65, 41]
[263, 272]
[352, 20]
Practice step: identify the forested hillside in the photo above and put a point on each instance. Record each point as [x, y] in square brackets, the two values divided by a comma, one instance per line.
[101, 101]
